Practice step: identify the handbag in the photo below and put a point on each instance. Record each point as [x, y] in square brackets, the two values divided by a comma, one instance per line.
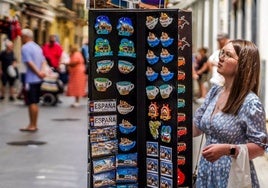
[194, 176]
[11, 71]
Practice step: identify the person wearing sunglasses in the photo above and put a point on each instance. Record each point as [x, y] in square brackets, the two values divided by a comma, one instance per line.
[232, 118]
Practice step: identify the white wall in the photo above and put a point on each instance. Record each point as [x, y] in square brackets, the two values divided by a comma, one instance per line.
[263, 42]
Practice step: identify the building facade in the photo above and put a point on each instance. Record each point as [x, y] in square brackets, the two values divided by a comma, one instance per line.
[64, 18]
[244, 19]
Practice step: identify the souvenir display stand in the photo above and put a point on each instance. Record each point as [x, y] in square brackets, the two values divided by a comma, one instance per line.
[140, 98]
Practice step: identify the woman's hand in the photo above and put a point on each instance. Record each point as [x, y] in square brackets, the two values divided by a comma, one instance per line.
[214, 151]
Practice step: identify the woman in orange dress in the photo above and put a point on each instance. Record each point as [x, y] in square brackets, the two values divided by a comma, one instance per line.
[77, 78]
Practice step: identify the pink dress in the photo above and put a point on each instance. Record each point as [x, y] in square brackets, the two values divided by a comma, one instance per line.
[77, 78]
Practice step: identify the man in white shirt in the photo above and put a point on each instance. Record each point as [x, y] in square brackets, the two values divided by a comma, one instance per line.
[213, 60]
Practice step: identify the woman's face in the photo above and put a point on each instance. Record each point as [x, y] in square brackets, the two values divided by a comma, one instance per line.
[228, 61]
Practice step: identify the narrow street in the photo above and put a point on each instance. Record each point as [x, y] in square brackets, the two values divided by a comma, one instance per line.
[60, 162]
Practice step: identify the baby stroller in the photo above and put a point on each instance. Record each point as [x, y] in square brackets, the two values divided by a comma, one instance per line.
[50, 88]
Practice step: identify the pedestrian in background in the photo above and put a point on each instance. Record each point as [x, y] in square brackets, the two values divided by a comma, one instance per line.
[32, 57]
[77, 77]
[52, 51]
[8, 70]
[232, 119]
[213, 60]
[202, 72]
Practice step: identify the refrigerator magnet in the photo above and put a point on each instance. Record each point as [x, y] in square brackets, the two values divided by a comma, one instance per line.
[182, 22]
[125, 67]
[153, 110]
[124, 107]
[182, 43]
[166, 74]
[152, 40]
[126, 127]
[151, 74]
[103, 25]
[166, 133]
[126, 48]
[151, 22]
[102, 48]
[124, 87]
[165, 39]
[165, 20]
[154, 126]
[126, 144]
[151, 57]
[125, 27]
[104, 66]
[165, 56]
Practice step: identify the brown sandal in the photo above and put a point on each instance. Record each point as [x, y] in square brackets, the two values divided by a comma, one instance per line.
[28, 130]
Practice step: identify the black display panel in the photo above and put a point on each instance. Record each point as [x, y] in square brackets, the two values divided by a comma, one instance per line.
[140, 98]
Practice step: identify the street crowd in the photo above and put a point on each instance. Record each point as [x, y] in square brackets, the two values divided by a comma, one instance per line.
[47, 71]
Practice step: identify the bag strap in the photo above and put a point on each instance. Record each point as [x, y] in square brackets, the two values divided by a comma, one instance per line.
[197, 160]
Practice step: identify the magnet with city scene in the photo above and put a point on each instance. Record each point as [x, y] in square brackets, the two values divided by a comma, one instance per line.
[165, 153]
[103, 25]
[127, 175]
[104, 179]
[125, 27]
[152, 180]
[127, 160]
[166, 168]
[152, 149]
[104, 164]
[126, 48]
[152, 165]
[102, 47]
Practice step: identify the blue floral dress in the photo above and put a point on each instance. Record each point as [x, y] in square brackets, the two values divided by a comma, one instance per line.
[248, 126]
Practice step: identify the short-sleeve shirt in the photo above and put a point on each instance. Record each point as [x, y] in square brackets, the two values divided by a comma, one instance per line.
[249, 125]
[31, 52]
[6, 59]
